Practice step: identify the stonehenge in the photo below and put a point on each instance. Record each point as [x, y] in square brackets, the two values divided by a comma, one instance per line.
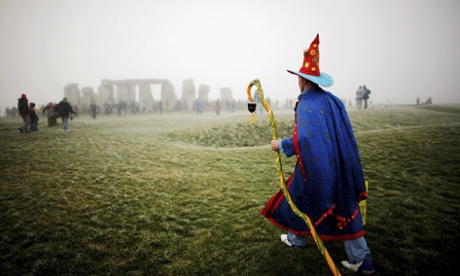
[139, 92]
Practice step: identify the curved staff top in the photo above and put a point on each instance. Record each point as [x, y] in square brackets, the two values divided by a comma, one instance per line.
[252, 108]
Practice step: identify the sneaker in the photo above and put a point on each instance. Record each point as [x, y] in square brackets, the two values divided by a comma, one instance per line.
[285, 239]
[350, 266]
[363, 267]
[21, 130]
[367, 267]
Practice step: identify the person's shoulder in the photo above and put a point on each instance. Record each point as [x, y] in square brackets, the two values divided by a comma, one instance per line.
[329, 94]
[314, 97]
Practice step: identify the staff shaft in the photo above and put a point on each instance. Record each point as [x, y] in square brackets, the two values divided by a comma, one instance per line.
[315, 236]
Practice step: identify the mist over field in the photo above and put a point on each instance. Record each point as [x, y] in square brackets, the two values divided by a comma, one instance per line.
[401, 50]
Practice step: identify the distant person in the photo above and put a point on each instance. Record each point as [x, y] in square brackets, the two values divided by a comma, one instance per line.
[366, 95]
[197, 106]
[160, 106]
[166, 106]
[217, 107]
[418, 101]
[65, 110]
[93, 110]
[50, 114]
[258, 101]
[76, 110]
[121, 108]
[24, 111]
[143, 106]
[33, 118]
[107, 108]
[359, 97]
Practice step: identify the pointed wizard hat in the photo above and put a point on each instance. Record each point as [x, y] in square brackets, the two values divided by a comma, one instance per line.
[310, 66]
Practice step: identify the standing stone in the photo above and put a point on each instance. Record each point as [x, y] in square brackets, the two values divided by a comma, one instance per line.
[188, 94]
[203, 92]
[72, 93]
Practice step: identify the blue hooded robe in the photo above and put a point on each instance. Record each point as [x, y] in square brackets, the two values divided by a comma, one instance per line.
[328, 182]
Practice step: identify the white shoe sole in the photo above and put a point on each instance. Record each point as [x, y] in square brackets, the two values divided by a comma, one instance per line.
[284, 238]
[352, 267]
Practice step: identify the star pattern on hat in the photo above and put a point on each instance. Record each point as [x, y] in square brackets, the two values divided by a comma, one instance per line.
[311, 59]
[310, 66]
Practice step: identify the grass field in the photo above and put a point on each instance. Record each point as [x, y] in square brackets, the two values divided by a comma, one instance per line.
[180, 194]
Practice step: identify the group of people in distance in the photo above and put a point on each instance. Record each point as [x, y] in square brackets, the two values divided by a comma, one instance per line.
[362, 95]
[28, 115]
[30, 118]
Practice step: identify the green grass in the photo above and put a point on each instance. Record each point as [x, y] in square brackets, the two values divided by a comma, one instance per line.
[180, 194]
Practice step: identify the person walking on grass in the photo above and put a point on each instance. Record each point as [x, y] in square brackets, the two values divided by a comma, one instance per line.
[359, 97]
[366, 96]
[64, 110]
[217, 107]
[33, 118]
[50, 114]
[93, 110]
[23, 108]
[328, 182]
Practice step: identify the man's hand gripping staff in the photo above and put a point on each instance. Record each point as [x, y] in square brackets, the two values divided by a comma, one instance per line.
[252, 108]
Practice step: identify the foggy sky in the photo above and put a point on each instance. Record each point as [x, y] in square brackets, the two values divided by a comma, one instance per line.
[400, 49]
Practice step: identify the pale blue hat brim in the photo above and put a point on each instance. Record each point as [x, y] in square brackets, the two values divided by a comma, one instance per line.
[322, 80]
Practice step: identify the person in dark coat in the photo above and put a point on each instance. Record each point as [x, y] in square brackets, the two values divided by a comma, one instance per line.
[65, 110]
[366, 96]
[23, 107]
[93, 110]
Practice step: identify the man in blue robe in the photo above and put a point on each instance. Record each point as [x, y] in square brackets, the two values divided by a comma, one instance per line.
[328, 182]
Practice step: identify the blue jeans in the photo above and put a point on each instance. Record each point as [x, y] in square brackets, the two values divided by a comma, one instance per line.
[34, 125]
[356, 250]
[26, 123]
[65, 122]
